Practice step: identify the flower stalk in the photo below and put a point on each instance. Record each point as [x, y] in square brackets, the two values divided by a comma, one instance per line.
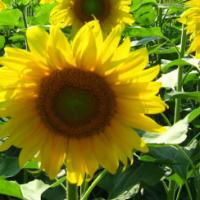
[72, 191]
[180, 75]
[172, 185]
[93, 185]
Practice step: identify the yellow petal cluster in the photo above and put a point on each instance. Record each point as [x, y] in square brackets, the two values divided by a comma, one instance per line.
[124, 71]
[72, 13]
[191, 18]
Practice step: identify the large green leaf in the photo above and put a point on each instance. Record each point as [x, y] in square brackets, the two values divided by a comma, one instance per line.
[33, 190]
[9, 166]
[174, 135]
[169, 80]
[173, 158]
[10, 17]
[124, 185]
[10, 188]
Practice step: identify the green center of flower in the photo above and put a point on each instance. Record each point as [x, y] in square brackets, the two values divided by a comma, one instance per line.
[75, 103]
[85, 10]
[75, 106]
[92, 7]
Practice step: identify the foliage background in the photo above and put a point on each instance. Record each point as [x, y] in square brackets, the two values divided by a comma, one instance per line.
[171, 170]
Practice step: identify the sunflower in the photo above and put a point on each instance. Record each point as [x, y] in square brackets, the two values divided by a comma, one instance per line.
[191, 18]
[77, 12]
[2, 5]
[76, 103]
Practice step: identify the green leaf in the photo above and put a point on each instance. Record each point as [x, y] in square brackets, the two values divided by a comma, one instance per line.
[169, 80]
[173, 158]
[55, 193]
[145, 15]
[192, 61]
[42, 14]
[186, 95]
[138, 3]
[10, 188]
[10, 17]
[193, 115]
[2, 41]
[174, 135]
[177, 62]
[175, 177]
[124, 185]
[9, 166]
[144, 32]
[166, 50]
[33, 190]
[31, 165]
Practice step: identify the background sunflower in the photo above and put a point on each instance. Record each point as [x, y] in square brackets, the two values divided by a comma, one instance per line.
[77, 12]
[190, 18]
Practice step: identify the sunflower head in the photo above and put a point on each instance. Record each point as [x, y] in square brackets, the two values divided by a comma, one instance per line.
[77, 12]
[77, 103]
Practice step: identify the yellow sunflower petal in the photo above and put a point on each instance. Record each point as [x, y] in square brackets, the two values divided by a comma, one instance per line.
[38, 48]
[152, 105]
[129, 136]
[75, 178]
[141, 121]
[123, 50]
[59, 49]
[110, 44]
[85, 48]
[109, 161]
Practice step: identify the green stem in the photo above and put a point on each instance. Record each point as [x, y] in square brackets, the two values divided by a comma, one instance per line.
[84, 187]
[160, 13]
[24, 15]
[172, 184]
[166, 119]
[165, 186]
[188, 191]
[180, 76]
[72, 191]
[94, 183]
[179, 192]
[171, 191]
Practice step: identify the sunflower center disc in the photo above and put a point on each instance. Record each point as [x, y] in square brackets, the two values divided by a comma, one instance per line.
[93, 7]
[87, 9]
[75, 103]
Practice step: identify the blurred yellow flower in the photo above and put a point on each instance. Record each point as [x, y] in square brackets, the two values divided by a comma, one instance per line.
[77, 12]
[46, 1]
[76, 103]
[2, 5]
[191, 18]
